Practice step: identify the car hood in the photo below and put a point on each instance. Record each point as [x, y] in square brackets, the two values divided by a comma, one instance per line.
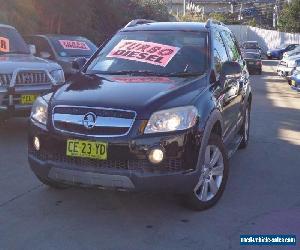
[9, 63]
[141, 94]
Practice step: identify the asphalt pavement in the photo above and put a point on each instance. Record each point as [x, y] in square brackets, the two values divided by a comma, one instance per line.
[262, 194]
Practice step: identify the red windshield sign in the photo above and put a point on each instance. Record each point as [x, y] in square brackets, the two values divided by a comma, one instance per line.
[4, 44]
[147, 52]
[68, 44]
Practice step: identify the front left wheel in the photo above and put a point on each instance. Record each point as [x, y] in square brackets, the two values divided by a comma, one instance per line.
[213, 177]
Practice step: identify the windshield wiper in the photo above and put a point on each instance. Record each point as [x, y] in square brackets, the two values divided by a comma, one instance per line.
[185, 74]
[14, 52]
[132, 72]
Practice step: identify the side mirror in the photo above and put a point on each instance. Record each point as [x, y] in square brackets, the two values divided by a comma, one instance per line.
[78, 63]
[230, 71]
[32, 49]
[45, 55]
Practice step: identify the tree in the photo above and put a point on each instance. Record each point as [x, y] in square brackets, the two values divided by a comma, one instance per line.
[289, 19]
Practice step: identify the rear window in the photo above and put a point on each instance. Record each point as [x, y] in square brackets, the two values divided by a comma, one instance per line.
[252, 56]
[73, 46]
[250, 46]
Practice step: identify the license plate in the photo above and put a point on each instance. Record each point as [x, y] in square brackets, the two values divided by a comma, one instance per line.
[87, 149]
[28, 99]
[293, 83]
[251, 63]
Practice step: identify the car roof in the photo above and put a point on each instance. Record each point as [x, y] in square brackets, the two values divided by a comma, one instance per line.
[168, 26]
[6, 26]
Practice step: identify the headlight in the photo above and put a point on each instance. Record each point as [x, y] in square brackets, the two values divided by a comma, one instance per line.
[58, 76]
[172, 119]
[39, 112]
[292, 64]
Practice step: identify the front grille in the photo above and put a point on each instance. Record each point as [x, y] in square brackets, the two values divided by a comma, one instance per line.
[5, 79]
[26, 78]
[108, 122]
[141, 166]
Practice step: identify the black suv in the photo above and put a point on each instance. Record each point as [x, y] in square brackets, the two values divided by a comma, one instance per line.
[160, 107]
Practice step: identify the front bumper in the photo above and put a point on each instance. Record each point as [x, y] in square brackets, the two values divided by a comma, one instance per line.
[10, 95]
[10, 99]
[127, 166]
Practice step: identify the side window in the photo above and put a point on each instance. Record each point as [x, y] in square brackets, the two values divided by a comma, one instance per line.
[220, 54]
[232, 46]
[42, 46]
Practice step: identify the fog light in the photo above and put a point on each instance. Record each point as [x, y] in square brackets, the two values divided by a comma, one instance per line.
[156, 156]
[36, 143]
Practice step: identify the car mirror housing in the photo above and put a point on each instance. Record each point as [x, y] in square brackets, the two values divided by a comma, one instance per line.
[230, 71]
[78, 63]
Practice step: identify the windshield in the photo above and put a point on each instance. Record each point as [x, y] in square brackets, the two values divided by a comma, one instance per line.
[11, 42]
[73, 46]
[251, 56]
[153, 52]
[251, 46]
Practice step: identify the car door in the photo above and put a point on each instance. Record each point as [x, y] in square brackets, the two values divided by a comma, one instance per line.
[237, 86]
[224, 95]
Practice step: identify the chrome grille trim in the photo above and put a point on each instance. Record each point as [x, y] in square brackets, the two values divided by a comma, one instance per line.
[101, 121]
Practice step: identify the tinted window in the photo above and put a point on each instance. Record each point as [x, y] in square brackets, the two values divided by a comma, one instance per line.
[73, 46]
[161, 52]
[12, 42]
[252, 56]
[232, 46]
[41, 45]
[220, 54]
[250, 46]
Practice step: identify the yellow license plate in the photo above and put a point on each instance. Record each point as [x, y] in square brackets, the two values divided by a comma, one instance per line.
[28, 99]
[87, 149]
[293, 82]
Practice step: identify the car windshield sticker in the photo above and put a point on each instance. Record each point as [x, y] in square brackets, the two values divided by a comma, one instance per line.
[79, 45]
[147, 52]
[4, 44]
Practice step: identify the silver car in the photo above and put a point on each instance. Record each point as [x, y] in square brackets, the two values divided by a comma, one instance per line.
[23, 77]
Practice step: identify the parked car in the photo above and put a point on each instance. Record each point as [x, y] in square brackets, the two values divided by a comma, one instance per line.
[23, 77]
[254, 62]
[286, 66]
[62, 49]
[291, 53]
[295, 79]
[161, 107]
[278, 52]
[251, 46]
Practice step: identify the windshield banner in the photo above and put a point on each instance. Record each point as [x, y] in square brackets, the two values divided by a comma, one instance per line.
[147, 52]
[4, 44]
[68, 44]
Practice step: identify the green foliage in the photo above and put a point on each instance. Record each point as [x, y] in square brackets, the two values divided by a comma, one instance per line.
[94, 19]
[289, 19]
[191, 18]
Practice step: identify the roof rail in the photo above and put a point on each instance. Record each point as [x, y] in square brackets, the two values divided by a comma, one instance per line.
[211, 22]
[138, 21]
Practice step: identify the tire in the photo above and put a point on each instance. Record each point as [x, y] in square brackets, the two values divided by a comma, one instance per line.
[51, 184]
[245, 130]
[202, 196]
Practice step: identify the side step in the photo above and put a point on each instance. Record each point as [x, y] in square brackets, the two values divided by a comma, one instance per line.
[234, 146]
